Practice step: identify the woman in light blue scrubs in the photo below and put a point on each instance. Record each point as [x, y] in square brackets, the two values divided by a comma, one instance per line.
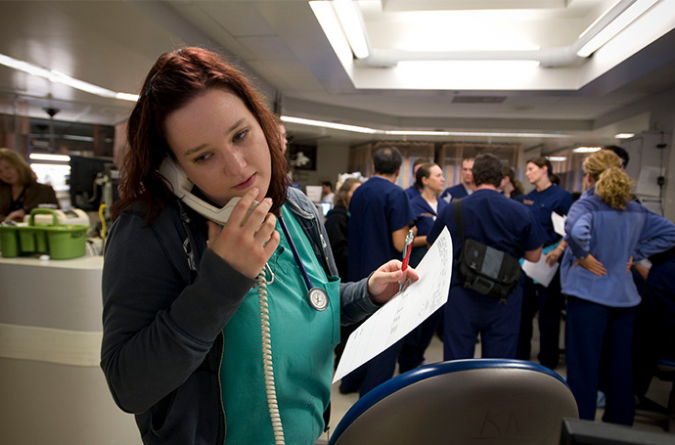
[606, 231]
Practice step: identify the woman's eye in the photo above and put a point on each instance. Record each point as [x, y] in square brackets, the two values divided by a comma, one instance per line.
[240, 135]
[202, 158]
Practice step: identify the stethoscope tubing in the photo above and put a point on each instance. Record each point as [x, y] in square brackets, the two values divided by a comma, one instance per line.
[296, 255]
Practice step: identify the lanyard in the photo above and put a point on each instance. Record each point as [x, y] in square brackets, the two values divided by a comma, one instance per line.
[318, 299]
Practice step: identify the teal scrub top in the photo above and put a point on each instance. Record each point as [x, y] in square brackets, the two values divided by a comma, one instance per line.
[302, 344]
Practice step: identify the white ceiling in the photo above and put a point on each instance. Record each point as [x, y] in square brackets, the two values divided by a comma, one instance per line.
[112, 44]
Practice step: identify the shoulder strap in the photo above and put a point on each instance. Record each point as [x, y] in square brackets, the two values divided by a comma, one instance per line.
[459, 218]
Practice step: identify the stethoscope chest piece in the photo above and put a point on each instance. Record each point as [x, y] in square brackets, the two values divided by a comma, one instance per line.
[318, 298]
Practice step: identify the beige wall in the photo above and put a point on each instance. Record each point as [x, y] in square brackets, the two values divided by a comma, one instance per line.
[331, 160]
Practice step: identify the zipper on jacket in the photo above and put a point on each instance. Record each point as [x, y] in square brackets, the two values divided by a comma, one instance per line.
[188, 244]
[322, 241]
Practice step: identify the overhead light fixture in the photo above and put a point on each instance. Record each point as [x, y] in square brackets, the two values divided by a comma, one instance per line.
[624, 136]
[586, 149]
[471, 134]
[333, 125]
[556, 158]
[49, 157]
[634, 10]
[352, 25]
[367, 130]
[37, 168]
[58, 77]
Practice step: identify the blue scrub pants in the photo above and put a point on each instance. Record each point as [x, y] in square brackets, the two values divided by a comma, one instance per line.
[549, 301]
[599, 341]
[468, 314]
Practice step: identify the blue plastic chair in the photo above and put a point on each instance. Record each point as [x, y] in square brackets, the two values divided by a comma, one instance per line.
[481, 401]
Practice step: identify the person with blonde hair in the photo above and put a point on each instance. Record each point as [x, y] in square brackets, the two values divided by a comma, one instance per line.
[337, 224]
[606, 231]
[19, 190]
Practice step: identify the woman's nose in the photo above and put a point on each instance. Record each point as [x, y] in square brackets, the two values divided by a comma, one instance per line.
[234, 160]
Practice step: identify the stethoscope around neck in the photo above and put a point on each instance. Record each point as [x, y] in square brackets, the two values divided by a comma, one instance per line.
[316, 296]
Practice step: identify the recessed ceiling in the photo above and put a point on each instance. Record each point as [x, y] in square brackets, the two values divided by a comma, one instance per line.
[282, 47]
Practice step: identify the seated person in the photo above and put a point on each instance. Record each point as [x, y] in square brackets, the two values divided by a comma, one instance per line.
[19, 190]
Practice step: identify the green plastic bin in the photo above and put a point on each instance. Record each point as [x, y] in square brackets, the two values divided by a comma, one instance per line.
[59, 241]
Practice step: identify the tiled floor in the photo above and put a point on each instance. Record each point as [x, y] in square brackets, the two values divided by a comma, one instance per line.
[658, 391]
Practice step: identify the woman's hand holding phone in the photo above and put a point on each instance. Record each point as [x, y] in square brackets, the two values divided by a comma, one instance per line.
[246, 243]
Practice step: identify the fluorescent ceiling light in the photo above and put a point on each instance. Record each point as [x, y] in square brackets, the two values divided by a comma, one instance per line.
[556, 158]
[50, 167]
[352, 25]
[367, 130]
[615, 27]
[58, 77]
[315, 123]
[325, 14]
[624, 135]
[586, 149]
[127, 96]
[470, 134]
[49, 157]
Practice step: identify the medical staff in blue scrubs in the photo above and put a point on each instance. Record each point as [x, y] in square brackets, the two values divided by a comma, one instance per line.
[414, 191]
[654, 328]
[504, 224]
[381, 216]
[605, 233]
[465, 187]
[546, 198]
[426, 206]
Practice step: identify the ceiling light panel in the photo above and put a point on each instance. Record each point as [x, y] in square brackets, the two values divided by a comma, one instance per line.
[352, 25]
[434, 5]
[617, 25]
[452, 42]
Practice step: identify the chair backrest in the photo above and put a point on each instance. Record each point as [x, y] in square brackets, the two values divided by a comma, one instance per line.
[476, 401]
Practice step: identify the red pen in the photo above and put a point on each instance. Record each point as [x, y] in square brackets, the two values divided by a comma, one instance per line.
[406, 254]
[406, 249]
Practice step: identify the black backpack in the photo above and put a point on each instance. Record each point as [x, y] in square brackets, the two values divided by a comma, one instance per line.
[486, 270]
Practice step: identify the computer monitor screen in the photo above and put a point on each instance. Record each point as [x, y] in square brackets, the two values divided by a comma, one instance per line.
[325, 208]
[85, 194]
[585, 432]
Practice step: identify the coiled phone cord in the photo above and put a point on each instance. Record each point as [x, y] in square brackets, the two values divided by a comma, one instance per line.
[268, 369]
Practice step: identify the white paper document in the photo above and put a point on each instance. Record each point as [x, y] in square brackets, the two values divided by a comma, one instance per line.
[558, 223]
[405, 311]
[540, 271]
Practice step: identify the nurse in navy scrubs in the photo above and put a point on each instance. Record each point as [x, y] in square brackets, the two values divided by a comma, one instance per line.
[546, 198]
[427, 206]
[503, 224]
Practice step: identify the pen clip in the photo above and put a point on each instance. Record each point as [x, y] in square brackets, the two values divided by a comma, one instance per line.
[408, 242]
[407, 247]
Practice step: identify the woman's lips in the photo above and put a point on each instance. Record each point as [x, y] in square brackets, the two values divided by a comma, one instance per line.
[246, 184]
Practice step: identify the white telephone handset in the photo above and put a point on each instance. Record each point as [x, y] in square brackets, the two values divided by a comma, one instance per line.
[181, 186]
